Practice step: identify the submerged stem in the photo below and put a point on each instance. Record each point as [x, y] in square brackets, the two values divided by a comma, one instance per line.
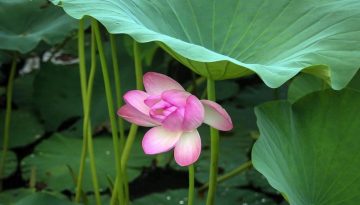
[9, 94]
[191, 185]
[214, 147]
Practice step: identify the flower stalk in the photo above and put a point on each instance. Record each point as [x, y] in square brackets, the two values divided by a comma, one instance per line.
[191, 185]
[214, 147]
[133, 129]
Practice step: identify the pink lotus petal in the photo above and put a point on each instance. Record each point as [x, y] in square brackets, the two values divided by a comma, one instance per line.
[156, 83]
[136, 99]
[133, 115]
[175, 97]
[152, 100]
[216, 116]
[158, 140]
[174, 121]
[188, 148]
[194, 114]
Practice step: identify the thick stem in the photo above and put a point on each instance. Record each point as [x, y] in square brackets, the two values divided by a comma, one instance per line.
[191, 185]
[32, 181]
[114, 55]
[118, 94]
[86, 97]
[138, 66]
[9, 94]
[229, 175]
[125, 157]
[109, 99]
[214, 135]
[133, 128]
[81, 53]
[93, 165]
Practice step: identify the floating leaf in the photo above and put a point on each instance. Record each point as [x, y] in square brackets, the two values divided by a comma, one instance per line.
[55, 99]
[10, 163]
[233, 152]
[25, 23]
[234, 38]
[308, 150]
[13, 195]
[224, 196]
[24, 128]
[53, 158]
[24, 90]
[52, 93]
[42, 198]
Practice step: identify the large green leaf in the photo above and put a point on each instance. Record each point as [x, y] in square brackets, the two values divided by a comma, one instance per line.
[309, 150]
[24, 23]
[234, 38]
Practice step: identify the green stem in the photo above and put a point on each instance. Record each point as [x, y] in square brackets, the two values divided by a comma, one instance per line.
[133, 128]
[81, 53]
[138, 66]
[234, 172]
[32, 180]
[191, 185]
[109, 99]
[214, 135]
[114, 54]
[119, 102]
[87, 122]
[118, 94]
[125, 157]
[86, 96]
[9, 93]
[93, 165]
[117, 191]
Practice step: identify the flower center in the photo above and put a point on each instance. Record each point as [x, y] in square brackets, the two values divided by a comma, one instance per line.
[160, 110]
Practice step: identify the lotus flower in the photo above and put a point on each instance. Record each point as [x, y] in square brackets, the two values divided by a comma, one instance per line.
[174, 116]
